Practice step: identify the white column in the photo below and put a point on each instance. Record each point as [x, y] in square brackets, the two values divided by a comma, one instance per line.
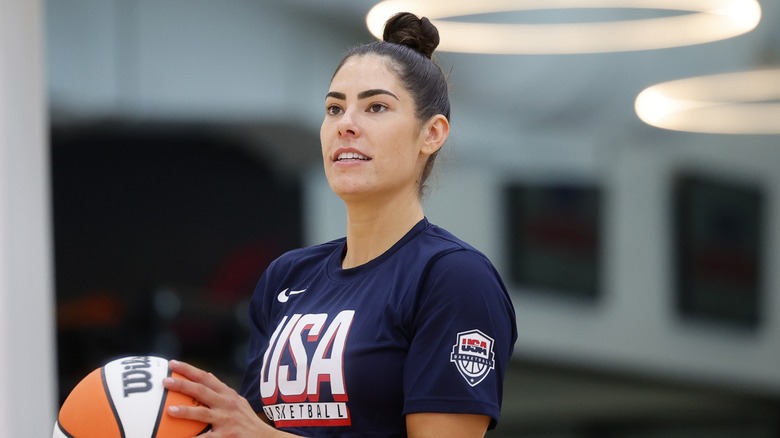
[27, 351]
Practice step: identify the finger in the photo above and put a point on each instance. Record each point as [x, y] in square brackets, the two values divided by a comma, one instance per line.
[189, 371]
[198, 413]
[198, 391]
[196, 374]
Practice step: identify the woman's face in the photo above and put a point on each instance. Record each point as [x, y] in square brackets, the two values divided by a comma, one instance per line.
[372, 142]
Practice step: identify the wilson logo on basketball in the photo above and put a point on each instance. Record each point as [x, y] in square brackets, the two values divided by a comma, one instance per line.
[125, 399]
[473, 356]
[136, 376]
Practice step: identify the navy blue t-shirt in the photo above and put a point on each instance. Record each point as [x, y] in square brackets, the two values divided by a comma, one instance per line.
[427, 326]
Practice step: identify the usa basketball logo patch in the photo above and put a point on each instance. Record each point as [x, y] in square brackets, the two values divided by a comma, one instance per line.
[473, 355]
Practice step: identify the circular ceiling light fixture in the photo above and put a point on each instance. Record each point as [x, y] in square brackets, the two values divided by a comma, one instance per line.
[732, 103]
[696, 22]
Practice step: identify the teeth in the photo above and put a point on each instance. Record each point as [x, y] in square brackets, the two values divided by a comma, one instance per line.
[351, 156]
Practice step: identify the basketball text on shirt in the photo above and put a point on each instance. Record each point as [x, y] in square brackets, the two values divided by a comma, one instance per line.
[296, 377]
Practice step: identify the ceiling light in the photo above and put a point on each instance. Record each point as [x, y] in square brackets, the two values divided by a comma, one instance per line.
[701, 21]
[733, 103]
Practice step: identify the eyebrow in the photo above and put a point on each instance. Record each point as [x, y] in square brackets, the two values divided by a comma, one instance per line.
[362, 95]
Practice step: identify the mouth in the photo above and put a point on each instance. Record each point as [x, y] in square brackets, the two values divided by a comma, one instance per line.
[351, 156]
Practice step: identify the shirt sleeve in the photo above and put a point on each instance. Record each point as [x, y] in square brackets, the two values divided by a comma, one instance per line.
[463, 335]
[258, 339]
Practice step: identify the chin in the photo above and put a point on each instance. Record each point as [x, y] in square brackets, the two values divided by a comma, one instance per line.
[349, 184]
[351, 195]
[347, 189]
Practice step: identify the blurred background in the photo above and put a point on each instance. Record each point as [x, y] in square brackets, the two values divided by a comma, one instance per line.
[184, 157]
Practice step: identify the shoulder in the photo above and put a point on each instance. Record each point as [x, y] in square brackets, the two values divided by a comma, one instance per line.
[447, 251]
[454, 268]
[310, 255]
[300, 263]
[293, 268]
[461, 283]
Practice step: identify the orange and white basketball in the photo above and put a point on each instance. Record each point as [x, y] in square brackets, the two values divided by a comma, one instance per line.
[125, 399]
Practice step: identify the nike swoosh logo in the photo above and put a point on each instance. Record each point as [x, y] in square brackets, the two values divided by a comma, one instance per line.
[285, 294]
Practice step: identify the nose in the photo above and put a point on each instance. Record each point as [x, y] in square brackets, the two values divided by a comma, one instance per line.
[346, 125]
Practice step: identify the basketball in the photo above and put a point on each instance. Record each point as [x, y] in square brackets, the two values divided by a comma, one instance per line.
[125, 399]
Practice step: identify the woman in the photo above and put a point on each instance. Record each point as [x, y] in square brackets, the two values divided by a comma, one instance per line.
[398, 329]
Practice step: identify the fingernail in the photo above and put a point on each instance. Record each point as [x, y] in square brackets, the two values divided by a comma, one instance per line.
[173, 409]
[167, 380]
[173, 362]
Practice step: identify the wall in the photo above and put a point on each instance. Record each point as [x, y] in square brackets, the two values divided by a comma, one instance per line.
[27, 371]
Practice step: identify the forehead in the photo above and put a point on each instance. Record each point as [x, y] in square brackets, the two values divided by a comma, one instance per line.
[366, 72]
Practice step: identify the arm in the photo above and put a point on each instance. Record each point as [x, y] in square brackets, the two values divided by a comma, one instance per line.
[228, 413]
[430, 425]
[463, 303]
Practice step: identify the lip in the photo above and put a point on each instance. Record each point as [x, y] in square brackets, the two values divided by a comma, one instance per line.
[335, 156]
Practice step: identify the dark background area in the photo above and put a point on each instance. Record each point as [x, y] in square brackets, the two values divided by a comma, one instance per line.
[161, 233]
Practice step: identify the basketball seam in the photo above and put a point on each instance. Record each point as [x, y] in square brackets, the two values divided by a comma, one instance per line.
[64, 432]
[117, 418]
[161, 409]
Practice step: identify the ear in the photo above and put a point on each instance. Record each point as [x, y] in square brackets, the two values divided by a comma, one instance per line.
[436, 131]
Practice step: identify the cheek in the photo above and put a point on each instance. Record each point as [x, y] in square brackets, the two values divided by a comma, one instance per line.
[323, 129]
[323, 138]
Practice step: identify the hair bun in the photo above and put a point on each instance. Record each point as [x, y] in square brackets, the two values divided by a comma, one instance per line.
[407, 29]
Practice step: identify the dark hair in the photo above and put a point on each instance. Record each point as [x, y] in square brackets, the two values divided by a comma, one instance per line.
[409, 42]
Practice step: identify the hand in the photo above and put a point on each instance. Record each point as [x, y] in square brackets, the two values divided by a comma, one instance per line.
[229, 414]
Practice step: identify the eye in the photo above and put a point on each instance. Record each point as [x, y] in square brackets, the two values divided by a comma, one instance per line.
[377, 108]
[333, 110]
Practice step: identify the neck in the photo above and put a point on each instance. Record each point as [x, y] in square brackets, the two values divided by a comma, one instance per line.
[373, 228]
